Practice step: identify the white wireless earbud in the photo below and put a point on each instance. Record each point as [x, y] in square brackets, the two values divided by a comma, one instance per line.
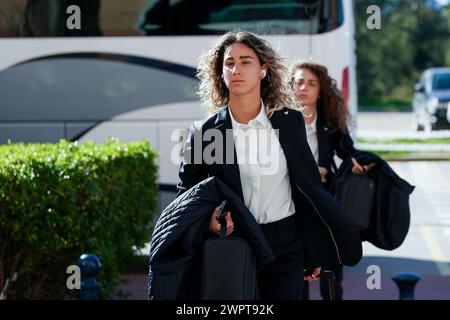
[263, 74]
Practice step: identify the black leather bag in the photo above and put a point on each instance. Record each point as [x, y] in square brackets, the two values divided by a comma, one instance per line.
[229, 269]
[356, 196]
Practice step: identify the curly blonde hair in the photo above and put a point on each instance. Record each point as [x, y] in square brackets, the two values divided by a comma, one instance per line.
[275, 90]
[330, 106]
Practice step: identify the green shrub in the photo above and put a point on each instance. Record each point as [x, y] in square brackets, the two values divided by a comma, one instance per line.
[58, 201]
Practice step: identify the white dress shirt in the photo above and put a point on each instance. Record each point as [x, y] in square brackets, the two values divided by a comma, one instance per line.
[263, 169]
[311, 136]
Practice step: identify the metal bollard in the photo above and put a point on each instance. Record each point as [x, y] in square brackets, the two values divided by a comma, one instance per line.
[89, 265]
[406, 282]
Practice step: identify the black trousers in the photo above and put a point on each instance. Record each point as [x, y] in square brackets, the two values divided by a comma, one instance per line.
[283, 278]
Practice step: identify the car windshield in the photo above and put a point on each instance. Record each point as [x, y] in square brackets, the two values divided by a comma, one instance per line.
[441, 81]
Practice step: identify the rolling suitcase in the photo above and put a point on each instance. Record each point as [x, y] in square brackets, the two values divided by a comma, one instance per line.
[228, 268]
[329, 276]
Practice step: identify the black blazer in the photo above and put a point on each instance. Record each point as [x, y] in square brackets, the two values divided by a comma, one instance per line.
[328, 236]
[332, 142]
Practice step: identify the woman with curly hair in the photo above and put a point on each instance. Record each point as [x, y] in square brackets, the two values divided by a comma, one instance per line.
[245, 88]
[326, 121]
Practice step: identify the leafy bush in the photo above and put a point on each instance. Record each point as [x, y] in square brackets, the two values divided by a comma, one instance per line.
[58, 201]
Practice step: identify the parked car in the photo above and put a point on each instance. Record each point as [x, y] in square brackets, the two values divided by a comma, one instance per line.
[431, 100]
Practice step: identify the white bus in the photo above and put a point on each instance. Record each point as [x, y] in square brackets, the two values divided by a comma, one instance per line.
[129, 71]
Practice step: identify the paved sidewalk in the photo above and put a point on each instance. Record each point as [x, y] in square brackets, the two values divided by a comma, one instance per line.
[432, 286]
[136, 287]
[355, 288]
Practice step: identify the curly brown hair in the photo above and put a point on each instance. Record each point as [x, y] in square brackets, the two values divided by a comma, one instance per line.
[330, 105]
[275, 91]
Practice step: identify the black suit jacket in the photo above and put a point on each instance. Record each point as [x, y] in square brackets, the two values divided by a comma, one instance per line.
[328, 236]
[332, 142]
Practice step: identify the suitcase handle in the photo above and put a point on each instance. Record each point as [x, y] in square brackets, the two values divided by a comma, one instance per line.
[330, 277]
[223, 228]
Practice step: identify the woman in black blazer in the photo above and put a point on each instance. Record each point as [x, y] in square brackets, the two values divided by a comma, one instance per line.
[326, 118]
[255, 142]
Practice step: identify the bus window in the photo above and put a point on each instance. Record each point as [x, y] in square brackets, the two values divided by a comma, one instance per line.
[189, 17]
[36, 18]
[89, 88]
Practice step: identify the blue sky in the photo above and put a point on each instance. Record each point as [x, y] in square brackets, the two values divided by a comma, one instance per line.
[442, 2]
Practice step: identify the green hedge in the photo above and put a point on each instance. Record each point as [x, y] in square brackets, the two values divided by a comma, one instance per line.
[58, 201]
